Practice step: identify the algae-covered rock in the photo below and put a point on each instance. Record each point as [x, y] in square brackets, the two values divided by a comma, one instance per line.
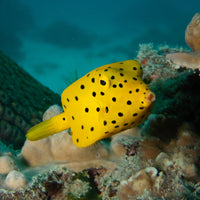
[22, 101]
[58, 183]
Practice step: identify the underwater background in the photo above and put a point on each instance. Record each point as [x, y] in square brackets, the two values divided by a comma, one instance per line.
[55, 40]
[148, 109]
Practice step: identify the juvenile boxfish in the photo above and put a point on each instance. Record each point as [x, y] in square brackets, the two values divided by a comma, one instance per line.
[104, 102]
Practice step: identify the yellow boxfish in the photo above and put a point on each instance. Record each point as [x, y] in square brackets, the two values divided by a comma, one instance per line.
[102, 103]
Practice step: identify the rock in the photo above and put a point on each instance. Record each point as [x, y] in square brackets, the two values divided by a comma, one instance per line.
[7, 164]
[15, 180]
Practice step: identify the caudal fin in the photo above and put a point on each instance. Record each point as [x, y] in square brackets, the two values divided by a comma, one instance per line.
[49, 127]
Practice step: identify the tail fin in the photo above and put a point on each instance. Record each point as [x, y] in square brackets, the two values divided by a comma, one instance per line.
[49, 127]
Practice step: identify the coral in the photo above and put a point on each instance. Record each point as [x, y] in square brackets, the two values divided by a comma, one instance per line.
[192, 33]
[155, 66]
[157, 160]
[126, 143]
[22, 102]
[176, 92]
[146, 180]
[57, 183]
[59, 147]
[15, 180]
[158, 169]
[7, 164]
[190, 59]
[52, 111]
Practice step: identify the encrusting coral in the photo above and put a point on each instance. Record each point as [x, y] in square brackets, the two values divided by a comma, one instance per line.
[192, 38]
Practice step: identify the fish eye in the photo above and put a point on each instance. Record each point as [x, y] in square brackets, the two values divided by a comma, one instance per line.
[102, 82]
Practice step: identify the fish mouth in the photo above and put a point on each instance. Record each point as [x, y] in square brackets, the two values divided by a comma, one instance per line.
[151, 97]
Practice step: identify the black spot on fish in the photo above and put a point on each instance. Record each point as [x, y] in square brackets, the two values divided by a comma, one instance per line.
[88, 75]
[86, 109]
[135, 114]
[117, 126]
[107, 109]
[130, 92]
[82, 87]
[92, 128]
[105, 70]
[93, 80]
[125, 124]
[120, 114]
[114, 99]
[114, 86]
[97, 109]
[63, 118]
[125, 81]
[141, 108]
[104, 123]
[121, 69]
[113, 122]
[112, 77]
[134, 78]
[76, 98]
[129, 102]
[106, 132]
[67, 99]
[77, 140]
[121, 74]
[82, 127]
[93, 94]
[102, 93]
[102, 82]
[120, 85]
[137, 90]
[134, 68]
[73, 117]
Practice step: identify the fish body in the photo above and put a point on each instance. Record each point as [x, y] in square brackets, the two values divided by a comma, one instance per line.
[102, 103]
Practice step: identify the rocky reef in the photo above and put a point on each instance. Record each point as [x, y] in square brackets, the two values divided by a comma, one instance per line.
[160, 159]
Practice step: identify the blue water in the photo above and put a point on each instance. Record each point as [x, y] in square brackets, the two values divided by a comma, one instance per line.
[54, 39]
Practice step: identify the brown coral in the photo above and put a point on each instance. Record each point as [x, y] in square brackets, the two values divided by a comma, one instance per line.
[192, 38]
